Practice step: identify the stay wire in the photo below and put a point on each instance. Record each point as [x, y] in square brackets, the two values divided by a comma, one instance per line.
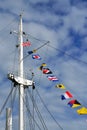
[84, 62]
[12, 104]
[29, 117]
[43, 60]
[36, 49]
[30, 113]
[37, 110]
[13, 97]
[33, 110]
[5, 28]
[29, 35]
[9, 24]
[49, 111]
[14, 60]
[6, 100]
[65, 53]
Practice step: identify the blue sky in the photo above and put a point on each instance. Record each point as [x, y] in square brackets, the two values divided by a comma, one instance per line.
[64, 24]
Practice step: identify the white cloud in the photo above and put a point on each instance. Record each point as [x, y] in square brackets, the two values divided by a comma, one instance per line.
[49, 25]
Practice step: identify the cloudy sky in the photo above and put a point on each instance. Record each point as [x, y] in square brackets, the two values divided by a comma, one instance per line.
[64, 24]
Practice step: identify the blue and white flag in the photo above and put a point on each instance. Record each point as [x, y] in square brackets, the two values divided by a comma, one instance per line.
[36, 56]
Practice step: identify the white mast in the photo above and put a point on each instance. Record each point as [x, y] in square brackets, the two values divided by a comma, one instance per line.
[19, 80]
[21, 87]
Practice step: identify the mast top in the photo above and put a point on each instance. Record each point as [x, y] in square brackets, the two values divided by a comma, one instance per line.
[21, 14]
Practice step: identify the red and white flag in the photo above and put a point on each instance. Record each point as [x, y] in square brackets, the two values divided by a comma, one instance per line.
[52, 78]
[66, 95]
[27, 43]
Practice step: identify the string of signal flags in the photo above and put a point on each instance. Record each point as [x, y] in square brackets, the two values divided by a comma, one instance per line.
[73, 103]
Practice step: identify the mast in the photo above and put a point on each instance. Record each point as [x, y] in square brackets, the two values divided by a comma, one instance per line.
[21, 87]
[19, 79]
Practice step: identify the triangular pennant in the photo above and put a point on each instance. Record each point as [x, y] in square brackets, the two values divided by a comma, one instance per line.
[82, 111]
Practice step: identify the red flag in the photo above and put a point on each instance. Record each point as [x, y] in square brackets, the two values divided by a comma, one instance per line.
[27, 43]
[46, 71]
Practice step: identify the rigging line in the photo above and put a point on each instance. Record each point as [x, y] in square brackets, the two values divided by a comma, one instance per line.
[76, 95]
[29, 117]
[13, 98]
[32, 126]
[49, 111]
[7, 25]
[71, 64]
[34, 37]
[4, 41]
[33, 110]
[65, 53]
[5, 28]
[6, 100]
[33, 101]
[14, 60]
[44, 59]
[43, 45]
[10, 55]
[37, 110]
[36, 49]
[30, 113]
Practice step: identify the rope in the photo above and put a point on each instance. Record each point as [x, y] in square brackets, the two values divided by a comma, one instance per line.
[8, 25]
[13, 98]
[49, 111]
[37, 110]
[65, 53]
[31, 120]
[27, 35]
[36, 49]
[30, 113]
[33, 110]
[6, 100]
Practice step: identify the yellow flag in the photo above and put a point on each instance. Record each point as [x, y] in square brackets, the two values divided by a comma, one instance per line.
[34, 51]
[43, 64]
[82, 111]
[61, 86]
